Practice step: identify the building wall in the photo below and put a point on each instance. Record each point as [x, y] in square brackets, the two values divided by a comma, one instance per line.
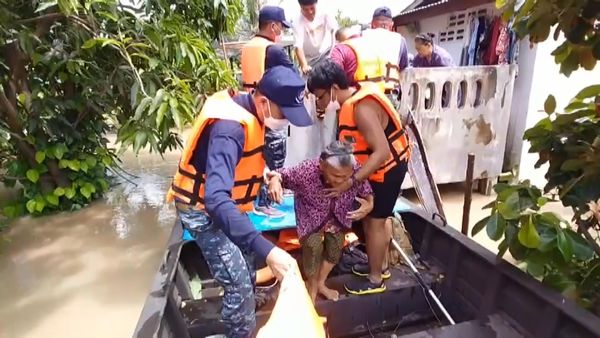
[547, 80]
[438, 25]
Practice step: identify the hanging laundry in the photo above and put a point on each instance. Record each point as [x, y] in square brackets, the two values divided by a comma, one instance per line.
[474, 41]
[490, 57]
[503, 44]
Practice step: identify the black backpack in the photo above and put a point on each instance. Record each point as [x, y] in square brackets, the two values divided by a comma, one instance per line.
[354, 253]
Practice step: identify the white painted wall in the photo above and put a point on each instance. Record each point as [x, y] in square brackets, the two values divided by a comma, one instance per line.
[547, 80]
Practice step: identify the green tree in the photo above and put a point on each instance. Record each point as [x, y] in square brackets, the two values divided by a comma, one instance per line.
[561, 254]
[344, 21]
[72, 69]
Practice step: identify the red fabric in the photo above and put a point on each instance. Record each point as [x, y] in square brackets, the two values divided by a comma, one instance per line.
[490, 57]
[502, 47]
[344, 56]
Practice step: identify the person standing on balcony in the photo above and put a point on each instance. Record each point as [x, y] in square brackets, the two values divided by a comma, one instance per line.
[314, 34]
[261, 53]
[430, 55]
[370, 121]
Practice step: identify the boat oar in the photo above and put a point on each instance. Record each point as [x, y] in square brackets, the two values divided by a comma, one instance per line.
[422, 282]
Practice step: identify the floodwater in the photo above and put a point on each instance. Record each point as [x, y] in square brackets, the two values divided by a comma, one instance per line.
[87, 273]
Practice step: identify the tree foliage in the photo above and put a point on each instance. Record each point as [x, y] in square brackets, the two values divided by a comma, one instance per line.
[564, 255]
[71, 70]
[344, 21]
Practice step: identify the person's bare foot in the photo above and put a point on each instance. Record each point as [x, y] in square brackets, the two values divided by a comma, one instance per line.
[329, 293]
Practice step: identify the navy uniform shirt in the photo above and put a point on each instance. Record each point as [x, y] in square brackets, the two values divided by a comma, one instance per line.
[217, 154]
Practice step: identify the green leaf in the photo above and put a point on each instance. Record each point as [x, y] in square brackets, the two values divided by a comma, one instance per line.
[177, 118]
[557, 281]
[74, 165]
[547, 239]
[45, 5]
[534, 269]
[161, 113]
[502, 248]
[85, 192]
[33, 175]
[495, 227]
[479, 226]
[59, 191]
[59, 151]
[510, 208]
[31, 206]
[141, 107]
[52, 199]
[70, 193]
[40, 205]
[542, 201]
[564, 245]
[107, 161]
[489, 205]
[572, 165]
[89, 43]
[528, 235]
[83, 166]
[141, 139]
[157, 99]
[91, 161]
[40, 156]
[525, 9]
[103, 184]
[590, 91]
[10, 211]
[63, 164]
[550, 105]
[581, 247]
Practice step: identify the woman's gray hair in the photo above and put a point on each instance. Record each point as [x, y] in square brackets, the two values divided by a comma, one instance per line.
[338, 154]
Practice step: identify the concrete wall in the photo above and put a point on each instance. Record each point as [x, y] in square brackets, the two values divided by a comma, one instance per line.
[547, 80]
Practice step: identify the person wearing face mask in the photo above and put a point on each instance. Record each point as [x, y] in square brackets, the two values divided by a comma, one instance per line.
[321, 219]
[262, 51]
[367, 119]
[259, 54]
[218, 179]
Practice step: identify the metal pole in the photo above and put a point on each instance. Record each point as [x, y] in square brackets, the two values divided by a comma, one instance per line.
[422, 282]
[468, 195]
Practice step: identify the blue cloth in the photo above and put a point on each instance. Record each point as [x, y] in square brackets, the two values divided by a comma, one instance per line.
[276, 56]
[473, 43]
[403, 58]
[274, 154]
[231, 268]
[439, 58]
[217, 154]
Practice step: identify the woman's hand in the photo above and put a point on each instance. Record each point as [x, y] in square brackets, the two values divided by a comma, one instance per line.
[366, 205]
[275, 188]
[340, 189]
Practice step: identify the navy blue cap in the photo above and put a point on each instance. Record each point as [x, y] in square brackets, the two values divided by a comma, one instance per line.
[273, 13]
[382, 11]
[286, 89]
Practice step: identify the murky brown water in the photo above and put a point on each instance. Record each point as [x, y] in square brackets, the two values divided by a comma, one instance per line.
[87, 273]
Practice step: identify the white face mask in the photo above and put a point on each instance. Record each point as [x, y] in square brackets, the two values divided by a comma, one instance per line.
[273, 123]
[333, 105]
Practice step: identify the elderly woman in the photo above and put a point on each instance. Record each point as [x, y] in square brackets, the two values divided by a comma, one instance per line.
[321, 217]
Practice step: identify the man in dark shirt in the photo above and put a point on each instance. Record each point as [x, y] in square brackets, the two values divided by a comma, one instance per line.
[224, 233]
[271, 23]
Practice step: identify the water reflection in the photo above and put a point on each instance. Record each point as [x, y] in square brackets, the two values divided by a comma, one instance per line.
[87, 273]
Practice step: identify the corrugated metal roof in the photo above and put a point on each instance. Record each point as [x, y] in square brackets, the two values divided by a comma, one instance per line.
[425, 4]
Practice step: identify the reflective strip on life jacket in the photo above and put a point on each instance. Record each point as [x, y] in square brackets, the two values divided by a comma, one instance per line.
[188, 185]
[252, 60]
[348, 131]
[377, 54]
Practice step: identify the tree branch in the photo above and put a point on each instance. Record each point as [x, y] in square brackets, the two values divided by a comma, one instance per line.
[45, 17]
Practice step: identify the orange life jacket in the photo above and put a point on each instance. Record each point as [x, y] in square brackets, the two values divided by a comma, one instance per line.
[252, 61]
[348, 131]
[188, 184]
[377, 52]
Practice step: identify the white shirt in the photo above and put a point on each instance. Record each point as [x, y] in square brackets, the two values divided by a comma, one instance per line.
[316, 37]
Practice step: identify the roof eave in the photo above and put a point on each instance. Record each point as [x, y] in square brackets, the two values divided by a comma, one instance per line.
[438, 9]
